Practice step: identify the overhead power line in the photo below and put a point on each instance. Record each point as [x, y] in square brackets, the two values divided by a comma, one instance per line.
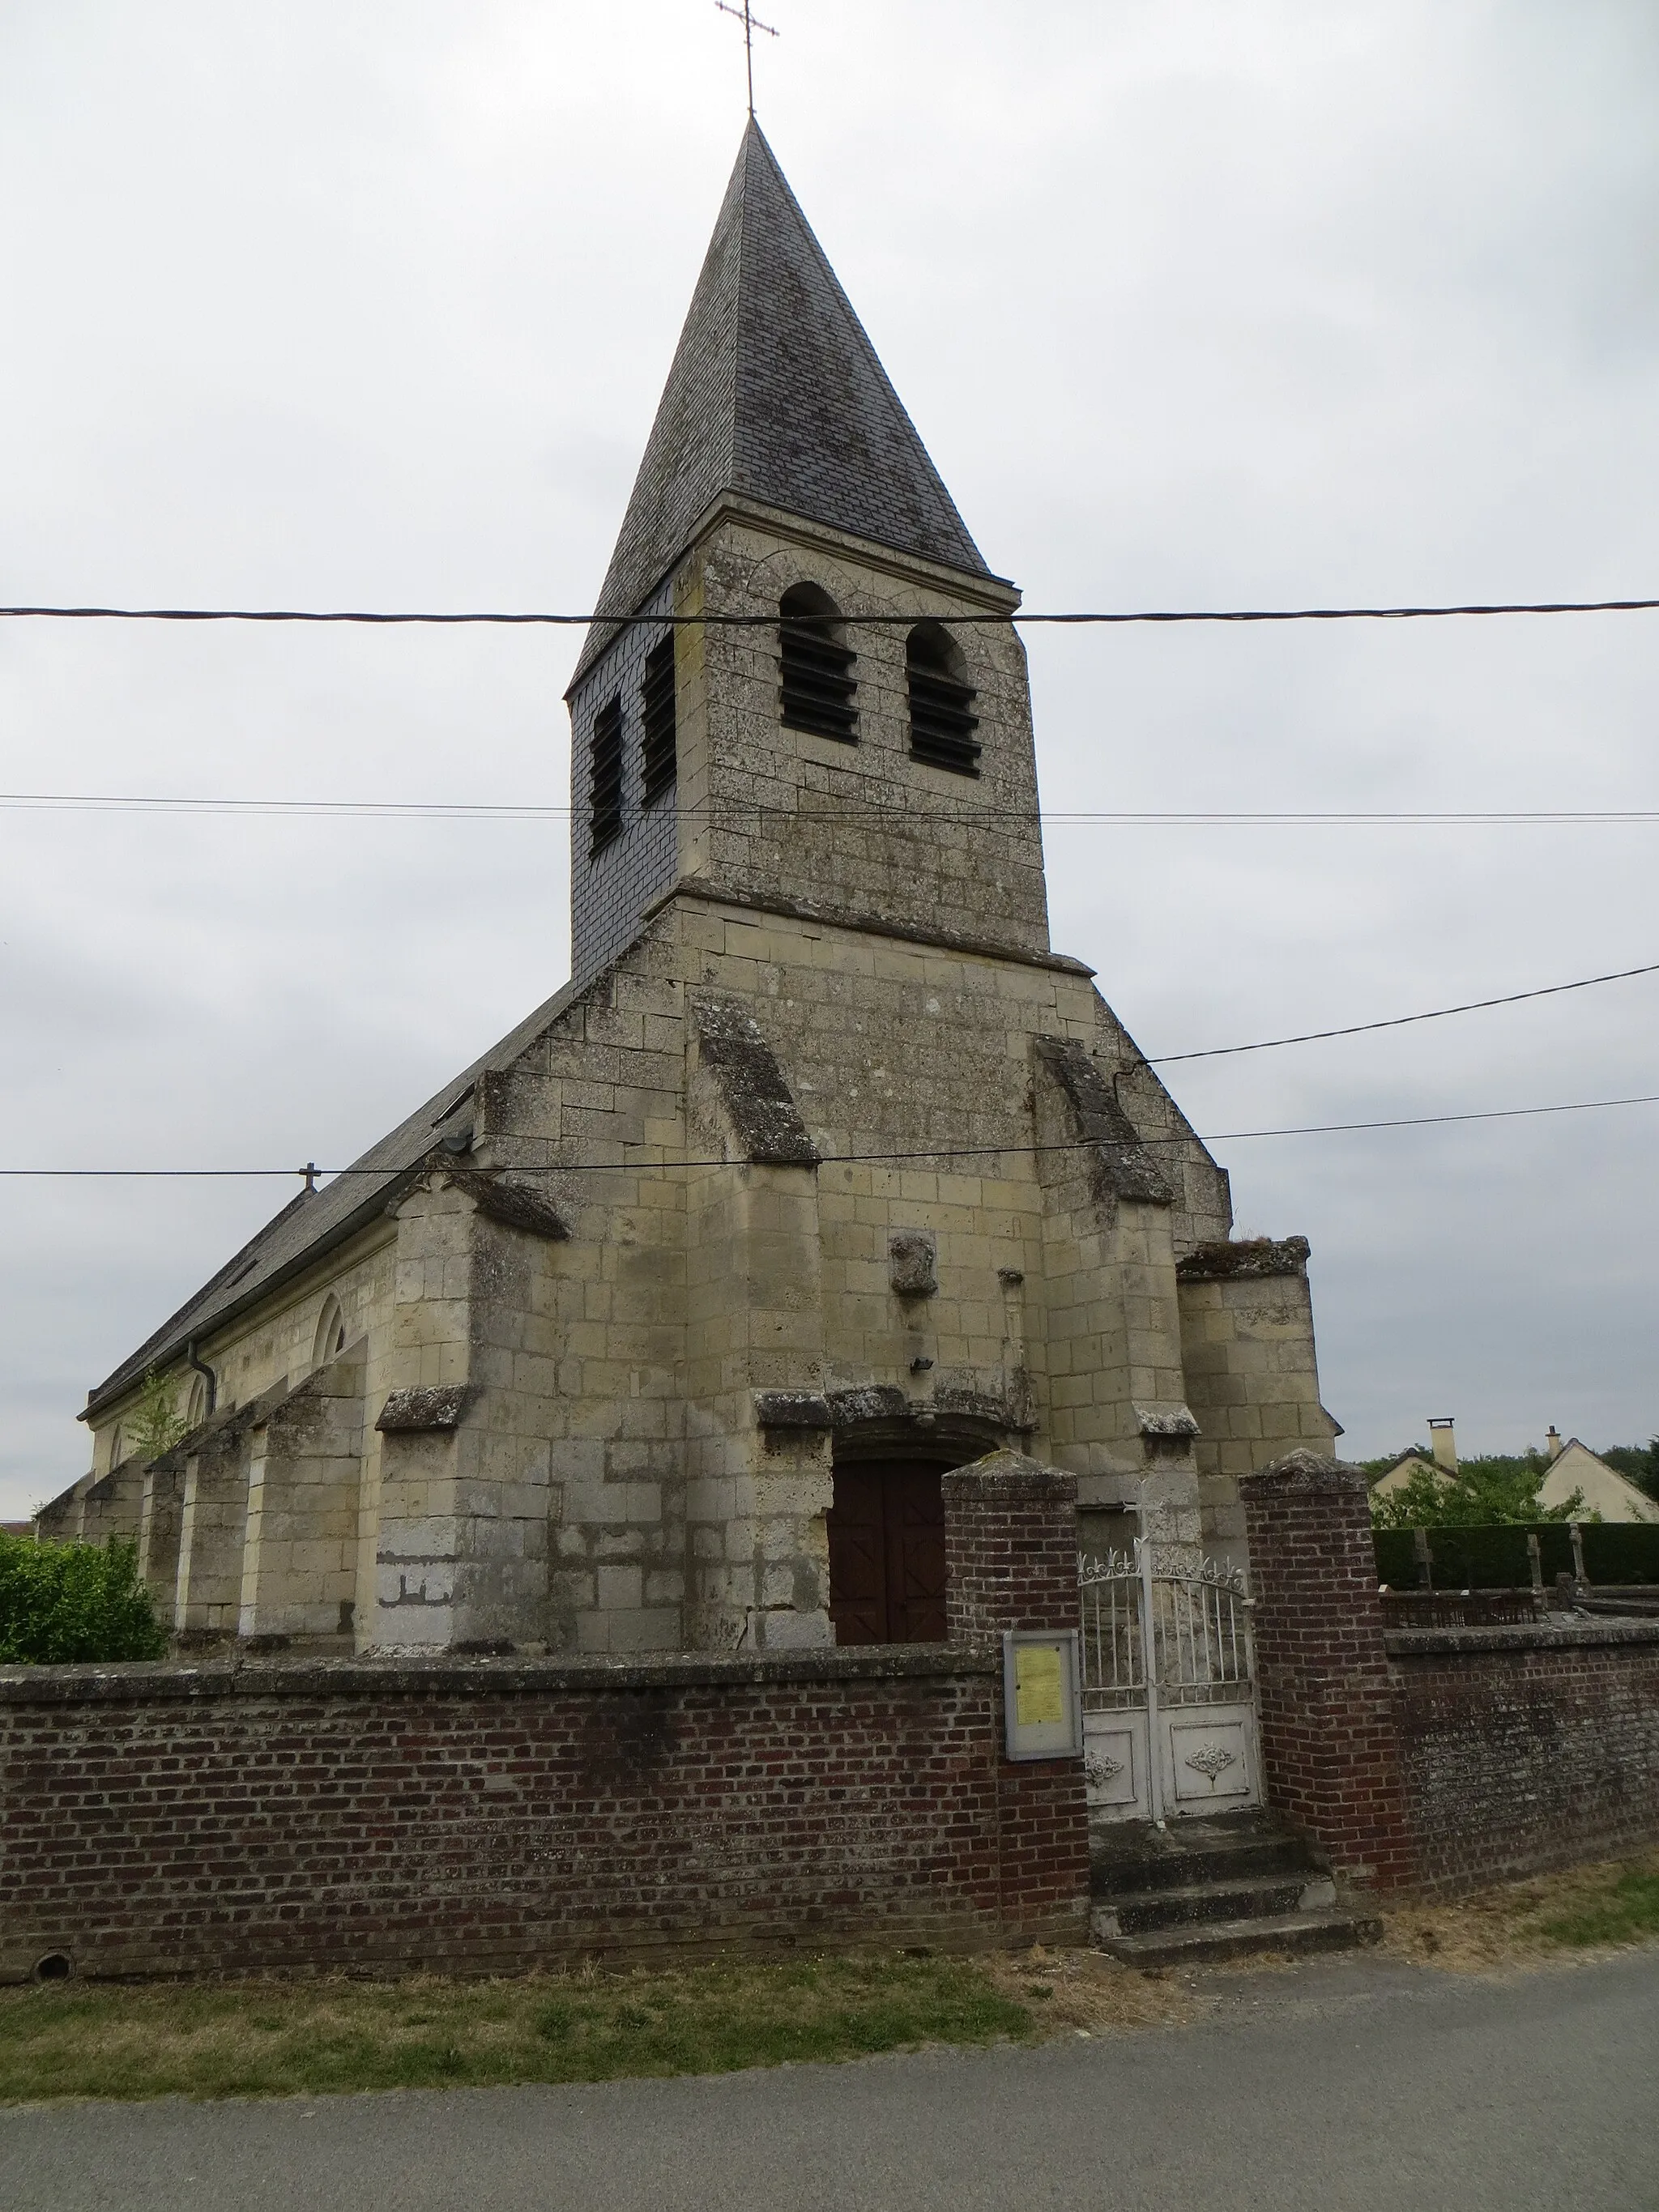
[934, 1152]
[1404, 1021]
[95, 802]
[1427, 1120]
[770, 620]
[1153, 1059]
[349, 808]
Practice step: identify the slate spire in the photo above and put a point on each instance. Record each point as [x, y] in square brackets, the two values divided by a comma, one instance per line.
[776, 392]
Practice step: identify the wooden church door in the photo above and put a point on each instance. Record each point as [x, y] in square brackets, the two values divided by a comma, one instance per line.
[887, 1554]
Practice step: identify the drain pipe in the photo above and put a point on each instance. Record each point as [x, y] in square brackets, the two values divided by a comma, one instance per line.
[202, 1369]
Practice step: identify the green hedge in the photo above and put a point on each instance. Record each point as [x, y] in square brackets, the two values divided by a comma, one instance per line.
[72, 1604]
[1496, 1557]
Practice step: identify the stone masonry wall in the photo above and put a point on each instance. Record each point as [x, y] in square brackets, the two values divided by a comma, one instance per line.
[584, 1498]
[661, 1321]
[760, 807]
[255, 1360]
[862, 826]
[299, 1558]
[97, 1507]
[277, 1343]
[580, 1370]
[1247, 1337]
[213, 1525]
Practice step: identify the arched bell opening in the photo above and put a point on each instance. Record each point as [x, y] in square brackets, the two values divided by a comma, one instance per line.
[816, 667]
[942, 717]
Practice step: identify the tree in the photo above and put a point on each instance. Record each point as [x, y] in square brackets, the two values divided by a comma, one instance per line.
[1492, 1489]
[66, 1605]
[157, 1424]
[1638, 1463]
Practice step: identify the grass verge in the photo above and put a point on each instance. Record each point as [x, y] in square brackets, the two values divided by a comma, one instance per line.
[307, 2037]
[311, 2038]
[1528, 1922]
[267, 2038]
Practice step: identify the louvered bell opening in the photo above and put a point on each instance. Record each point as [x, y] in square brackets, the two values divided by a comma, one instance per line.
[605, 782]
[658, 760]
[819, 682]
[943, 722]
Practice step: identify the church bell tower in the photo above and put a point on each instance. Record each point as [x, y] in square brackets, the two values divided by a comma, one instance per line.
[858, 741]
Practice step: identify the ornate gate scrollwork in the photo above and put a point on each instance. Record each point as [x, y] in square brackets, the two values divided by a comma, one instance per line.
[1177, 1736]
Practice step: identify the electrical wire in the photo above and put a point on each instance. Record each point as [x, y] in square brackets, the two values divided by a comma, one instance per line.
[1174, 818]
[841, 1159]
[1403, 1021]
[770, 619]
[1224, 1051]
[91, 801]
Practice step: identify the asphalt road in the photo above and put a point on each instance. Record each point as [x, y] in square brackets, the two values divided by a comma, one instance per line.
[1352, 2086]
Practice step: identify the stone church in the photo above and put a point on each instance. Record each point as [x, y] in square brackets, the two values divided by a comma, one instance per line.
[657, 1328]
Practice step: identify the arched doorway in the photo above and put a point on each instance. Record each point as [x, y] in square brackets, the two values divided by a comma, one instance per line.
[887, 1552]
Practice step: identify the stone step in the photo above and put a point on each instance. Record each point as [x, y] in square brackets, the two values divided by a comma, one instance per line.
[1116, 1869]
[1139, 1912]
[1229, 1847]
[1202, 1944]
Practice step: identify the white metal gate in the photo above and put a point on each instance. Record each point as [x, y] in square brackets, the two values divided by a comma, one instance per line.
[1177, 1736]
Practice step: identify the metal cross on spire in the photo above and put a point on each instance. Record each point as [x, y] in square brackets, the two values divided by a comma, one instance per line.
[751, 24]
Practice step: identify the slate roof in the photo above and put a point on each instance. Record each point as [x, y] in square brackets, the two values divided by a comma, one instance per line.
[314, 1223]
[776, 392]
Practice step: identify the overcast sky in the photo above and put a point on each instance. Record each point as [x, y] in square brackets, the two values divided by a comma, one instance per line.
[1206, 302]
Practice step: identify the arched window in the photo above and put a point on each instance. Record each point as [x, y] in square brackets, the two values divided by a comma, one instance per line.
[942, 717]
[329, 1341]
[817, 666]
[195, 1405]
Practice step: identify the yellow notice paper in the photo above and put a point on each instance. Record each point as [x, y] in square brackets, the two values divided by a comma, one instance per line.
[1038, 1702]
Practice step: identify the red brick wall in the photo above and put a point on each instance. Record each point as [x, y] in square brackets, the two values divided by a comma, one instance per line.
[1437, 1759]
[483, 1816]
[1011, 1562]
[1527, 1748]
[1010, 1549]
[1329, 1737]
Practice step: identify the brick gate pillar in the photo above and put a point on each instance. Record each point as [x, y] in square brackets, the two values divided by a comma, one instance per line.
[1330, 1741]
[1011, 1562]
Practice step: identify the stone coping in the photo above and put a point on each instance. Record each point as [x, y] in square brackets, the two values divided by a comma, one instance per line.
[163, 1681]
[708, 892]
[1248, 1259]
[1559, 1632]
[1303, 1473]
[1003, 1478]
